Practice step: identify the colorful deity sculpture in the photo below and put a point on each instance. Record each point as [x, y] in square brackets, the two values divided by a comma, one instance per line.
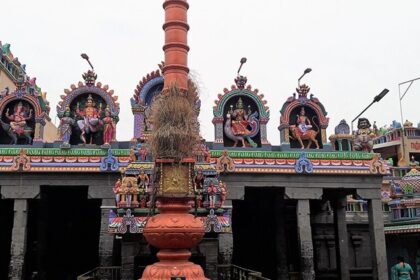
[90, 124]
[109, 127]
[143, 183]
[117, 191]
[223, 193]
[303, 130]
[198, 188]
[65, 127]
[18, 123]
[363, 137]
[241, 124]
[212, 193]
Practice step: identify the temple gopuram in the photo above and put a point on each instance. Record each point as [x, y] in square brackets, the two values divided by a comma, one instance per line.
[76, 205]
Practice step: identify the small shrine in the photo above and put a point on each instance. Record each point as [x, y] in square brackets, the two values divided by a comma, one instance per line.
[303, 121]
[24, 107]
[342, 139]
[88, 113]
[405, 194]
[149, 87]
[240, 117]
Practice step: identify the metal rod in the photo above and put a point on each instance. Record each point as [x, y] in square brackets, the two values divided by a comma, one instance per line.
[405, 92]
[412, 80]
[363, 111]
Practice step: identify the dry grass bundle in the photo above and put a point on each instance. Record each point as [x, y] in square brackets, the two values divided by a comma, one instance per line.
[175, 124]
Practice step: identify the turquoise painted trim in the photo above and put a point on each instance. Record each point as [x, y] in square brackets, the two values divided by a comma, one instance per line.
[62, 152]
[295, 155]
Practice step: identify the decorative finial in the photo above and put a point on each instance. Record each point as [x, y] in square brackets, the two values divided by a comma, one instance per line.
[303, 90]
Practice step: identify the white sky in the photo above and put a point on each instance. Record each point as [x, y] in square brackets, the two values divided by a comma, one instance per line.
[355, 48]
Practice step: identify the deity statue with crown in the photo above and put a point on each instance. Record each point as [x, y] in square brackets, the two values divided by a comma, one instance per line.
[65, 127]
[90, 124]
[241, 124]
[18, 123]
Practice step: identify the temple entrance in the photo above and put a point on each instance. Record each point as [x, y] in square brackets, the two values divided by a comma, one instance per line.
[63, 233]
[6, 222]
[265, 232]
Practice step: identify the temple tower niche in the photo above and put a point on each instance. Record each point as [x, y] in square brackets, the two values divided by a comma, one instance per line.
[240, 117]
[303, 121]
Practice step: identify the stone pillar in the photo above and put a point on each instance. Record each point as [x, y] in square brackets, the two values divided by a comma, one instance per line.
[129, 250]
[377, 240]
[18, 245]
[281, 242]
[106, 240]
[341, 237]
[305, 240]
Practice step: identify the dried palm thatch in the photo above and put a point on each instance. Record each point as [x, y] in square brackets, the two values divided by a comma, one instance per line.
[175, 124]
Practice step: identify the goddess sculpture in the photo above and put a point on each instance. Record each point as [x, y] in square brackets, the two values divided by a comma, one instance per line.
[109, 127]
[304, 124]
[90, 123]
[65, 127]
[241, 125]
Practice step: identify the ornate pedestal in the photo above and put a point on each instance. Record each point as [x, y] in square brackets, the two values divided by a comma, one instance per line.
[174, 230]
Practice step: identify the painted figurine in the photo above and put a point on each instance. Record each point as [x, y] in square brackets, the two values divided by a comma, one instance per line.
[363, 137]
[241, 125]
[240, 122]
[90, 123]
[109, 127]
[143, 180]
[143, 153]
[303, 122]
[198, 188]
[223, 193]
[212, 191]
[18, 118]
[65, 127]
[117, 190]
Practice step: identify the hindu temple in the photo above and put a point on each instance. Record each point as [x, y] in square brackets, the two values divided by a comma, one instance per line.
[76, 203]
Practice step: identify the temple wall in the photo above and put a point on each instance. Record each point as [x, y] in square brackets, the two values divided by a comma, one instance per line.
[50, 132]
[5, 81]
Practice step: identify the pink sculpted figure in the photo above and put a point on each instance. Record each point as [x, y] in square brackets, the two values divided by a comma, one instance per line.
[223, 193]
[18, 118]
[109, 127]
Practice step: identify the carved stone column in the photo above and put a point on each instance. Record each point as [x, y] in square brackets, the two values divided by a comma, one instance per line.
[377, 239]
[281, 242]
[18, 245]
[341, 236]
[106, 240]
[305, 240]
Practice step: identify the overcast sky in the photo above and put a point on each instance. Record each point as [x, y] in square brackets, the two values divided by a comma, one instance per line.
[355, 48]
